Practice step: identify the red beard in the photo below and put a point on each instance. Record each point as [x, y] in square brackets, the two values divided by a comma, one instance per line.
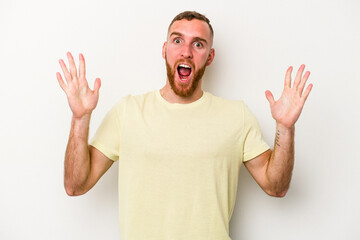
[180, 89]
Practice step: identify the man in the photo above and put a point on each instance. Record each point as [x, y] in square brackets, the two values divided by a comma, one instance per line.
[179, 148]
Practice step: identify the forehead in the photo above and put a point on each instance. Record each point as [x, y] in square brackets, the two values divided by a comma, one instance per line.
[192, 28]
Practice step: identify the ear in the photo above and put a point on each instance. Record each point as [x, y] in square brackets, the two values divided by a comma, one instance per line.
[164, 50]
[210, 57]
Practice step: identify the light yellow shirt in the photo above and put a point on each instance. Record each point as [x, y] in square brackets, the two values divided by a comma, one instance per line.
[178, 164]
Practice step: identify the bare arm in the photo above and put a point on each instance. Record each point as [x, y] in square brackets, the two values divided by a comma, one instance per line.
[273, 169]
[84, 165]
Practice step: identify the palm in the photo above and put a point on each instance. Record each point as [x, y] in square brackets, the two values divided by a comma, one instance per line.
[286, 110]
[82, 100]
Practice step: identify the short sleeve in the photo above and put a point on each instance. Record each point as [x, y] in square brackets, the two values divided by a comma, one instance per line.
[254, 143]
[107, 136]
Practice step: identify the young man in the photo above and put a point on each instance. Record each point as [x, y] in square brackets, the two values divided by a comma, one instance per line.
[179, 148]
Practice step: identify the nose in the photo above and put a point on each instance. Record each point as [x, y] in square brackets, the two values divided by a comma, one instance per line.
[186, 51]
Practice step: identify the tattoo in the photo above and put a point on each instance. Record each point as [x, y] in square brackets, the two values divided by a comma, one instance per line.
[277, 137]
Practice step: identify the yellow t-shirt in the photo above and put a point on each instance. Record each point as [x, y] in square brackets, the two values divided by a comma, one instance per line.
[178, 164]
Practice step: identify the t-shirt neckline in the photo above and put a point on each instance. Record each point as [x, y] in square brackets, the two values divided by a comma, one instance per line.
[182, 105]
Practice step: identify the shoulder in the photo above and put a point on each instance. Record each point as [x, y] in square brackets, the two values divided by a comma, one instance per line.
[235, 106]
[134, 102]
[140, 99]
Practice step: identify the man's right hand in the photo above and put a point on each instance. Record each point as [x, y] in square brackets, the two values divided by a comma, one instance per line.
[84, 165]
[82, 100]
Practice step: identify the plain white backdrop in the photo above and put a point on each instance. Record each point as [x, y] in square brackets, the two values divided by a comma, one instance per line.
[255, 42]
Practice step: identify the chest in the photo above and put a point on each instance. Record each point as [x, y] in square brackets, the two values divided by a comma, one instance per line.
[184, 135]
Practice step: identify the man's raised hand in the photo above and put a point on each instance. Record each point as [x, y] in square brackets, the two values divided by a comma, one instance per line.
[82, 100]
[287, 109]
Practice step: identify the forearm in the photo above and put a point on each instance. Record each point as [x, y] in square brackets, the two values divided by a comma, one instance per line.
[281, 163]
[77, 157]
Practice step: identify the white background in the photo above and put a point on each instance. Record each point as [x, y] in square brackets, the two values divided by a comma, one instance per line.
[255, 42]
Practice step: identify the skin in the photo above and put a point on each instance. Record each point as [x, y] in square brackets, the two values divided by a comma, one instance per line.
[84, 165]
[187, 41]
[272, 170]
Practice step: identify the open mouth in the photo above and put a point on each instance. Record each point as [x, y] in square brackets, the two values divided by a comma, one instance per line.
[184, 72]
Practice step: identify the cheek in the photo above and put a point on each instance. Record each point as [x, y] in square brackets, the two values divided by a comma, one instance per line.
[171, 55]
[203, 58]
[172, 50]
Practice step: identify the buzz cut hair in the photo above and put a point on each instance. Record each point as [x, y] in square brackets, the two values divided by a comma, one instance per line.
[190, 15]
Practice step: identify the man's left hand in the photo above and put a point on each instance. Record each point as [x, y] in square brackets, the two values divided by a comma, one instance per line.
[287, 109]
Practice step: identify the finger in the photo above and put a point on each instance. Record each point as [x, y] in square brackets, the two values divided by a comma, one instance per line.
[269, 97]
[72, 65]
[288, 77]
[303, 82]
[61, 81]
[97, 85]
[82, 67]
[307, 92]
[298, 76]
[65, 71]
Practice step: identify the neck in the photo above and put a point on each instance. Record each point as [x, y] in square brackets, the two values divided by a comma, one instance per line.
[169, 95]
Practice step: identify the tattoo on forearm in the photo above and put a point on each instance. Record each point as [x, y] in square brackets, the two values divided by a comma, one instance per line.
[277, 137]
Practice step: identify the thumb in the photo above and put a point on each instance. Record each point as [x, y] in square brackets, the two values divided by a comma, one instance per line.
[97, 85]
[269, 97]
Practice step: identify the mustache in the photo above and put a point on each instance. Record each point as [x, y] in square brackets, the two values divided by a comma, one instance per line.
[185, 61]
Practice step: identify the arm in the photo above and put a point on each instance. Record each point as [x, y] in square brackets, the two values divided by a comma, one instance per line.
[272, 169]
[84, 165]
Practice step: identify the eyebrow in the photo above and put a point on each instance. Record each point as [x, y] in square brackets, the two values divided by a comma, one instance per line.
[195, 38]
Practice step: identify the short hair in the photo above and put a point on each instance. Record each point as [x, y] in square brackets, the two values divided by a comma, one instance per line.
[190, 15]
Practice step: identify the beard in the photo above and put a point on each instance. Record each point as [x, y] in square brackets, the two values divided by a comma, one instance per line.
[184, 90]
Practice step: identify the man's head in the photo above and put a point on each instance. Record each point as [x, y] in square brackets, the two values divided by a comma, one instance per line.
[188, 51]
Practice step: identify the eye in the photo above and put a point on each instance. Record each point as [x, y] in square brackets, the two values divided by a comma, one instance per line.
[198, 44]
[176, 40]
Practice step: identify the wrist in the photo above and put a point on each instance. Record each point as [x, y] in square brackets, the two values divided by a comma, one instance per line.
[282, 128]
[80, 125]
[284, 137]
[84, 118]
